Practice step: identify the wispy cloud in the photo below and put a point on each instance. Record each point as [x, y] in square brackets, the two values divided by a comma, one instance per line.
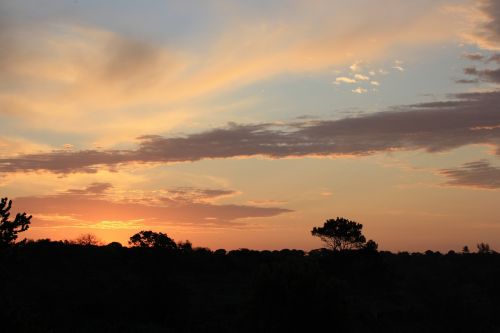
[467, 81]
[479, 174]
[92, 189]
[470, 118]
[484, 16]
[74, 72]
[88, 208]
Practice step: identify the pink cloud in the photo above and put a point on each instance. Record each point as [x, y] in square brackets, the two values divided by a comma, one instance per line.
[78, 208]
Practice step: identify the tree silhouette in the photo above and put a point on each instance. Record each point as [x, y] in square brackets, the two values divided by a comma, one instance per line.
[185, 247]
[483, 248]
[341, 234]
[370, 246]
[10, 229]
[148, 238]
[87, 240]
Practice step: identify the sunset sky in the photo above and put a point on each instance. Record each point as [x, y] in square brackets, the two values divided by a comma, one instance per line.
[243, 124]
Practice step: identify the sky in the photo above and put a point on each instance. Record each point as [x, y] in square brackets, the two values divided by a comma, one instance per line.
[244, 124]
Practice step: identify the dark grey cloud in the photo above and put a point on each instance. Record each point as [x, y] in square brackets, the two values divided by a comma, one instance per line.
[479, 174]
[60, 161]
[93, 189]
[70, 210]
[489, 31]
[489, 75]
[487, 36]
[471, 118]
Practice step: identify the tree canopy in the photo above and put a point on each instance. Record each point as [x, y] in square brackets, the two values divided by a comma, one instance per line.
[9, 229]
[148, 238]
[88, 240]
[341, 234]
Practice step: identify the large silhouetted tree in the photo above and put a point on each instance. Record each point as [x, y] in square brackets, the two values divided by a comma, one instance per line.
[341, 234]
[148, 238]
[9, 229]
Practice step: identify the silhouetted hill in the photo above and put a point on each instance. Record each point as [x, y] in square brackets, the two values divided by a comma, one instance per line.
[56, 287]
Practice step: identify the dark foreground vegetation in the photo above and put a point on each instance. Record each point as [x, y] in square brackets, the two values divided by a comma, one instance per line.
[56, 287]
[158, 285]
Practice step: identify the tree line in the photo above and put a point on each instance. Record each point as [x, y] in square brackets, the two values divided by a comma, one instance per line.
[338, 235]
[159, 285]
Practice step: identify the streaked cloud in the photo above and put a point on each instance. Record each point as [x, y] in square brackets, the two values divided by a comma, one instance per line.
[470, 118]
[190, 194]
[479, 174]
[467, 81]
[74, 73]
[88, 208]
[92, 189]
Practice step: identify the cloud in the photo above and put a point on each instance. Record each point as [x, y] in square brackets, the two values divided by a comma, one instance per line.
[489, 75]
[485, 32]
[467, 81]
[495, 58]
[11, 146]
[473, 56]
[484, 16]
[88, 208]
[375, 83]
[479, 174]
[398, 65]
[344, 79]
[59, 75]
[190, 194]
[470, 118]
[92, 189]
[359, 90]
[267, 202]
[491, 26]
[361, 77]
[356, 67]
